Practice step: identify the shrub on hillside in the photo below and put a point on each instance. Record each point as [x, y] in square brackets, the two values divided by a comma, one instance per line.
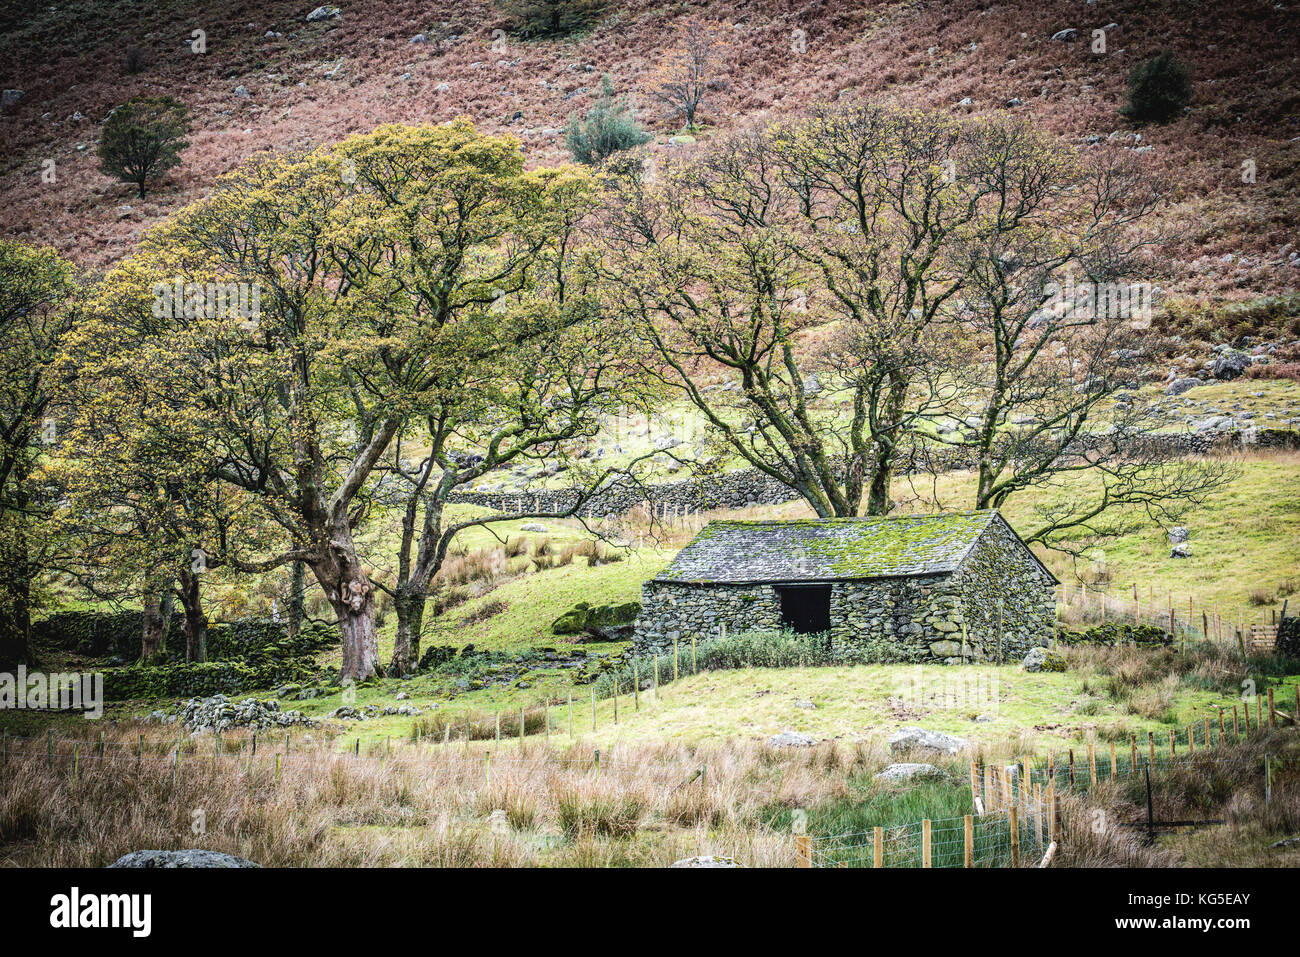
[142, 139]
[551, 18]
[1158, 89]
[608, 127]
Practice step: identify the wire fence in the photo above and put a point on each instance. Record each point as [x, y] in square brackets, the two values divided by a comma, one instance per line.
[1016, 813]
[1181, 618]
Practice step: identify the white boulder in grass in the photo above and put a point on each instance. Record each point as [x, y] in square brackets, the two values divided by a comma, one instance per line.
[790, 739]
[906, 772]
[921, 739]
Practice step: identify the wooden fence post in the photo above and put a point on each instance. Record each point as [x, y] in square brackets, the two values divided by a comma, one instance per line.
[1013, 821]
[968, 825]
[878, 847]
[1092, 764]
[803, 843]
[1151, 743]
[1272, 713]
[925, 842]
[1133, 753]
[1173, 743]
[1051, 811]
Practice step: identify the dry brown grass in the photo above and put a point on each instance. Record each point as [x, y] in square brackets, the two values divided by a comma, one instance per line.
[425, 805]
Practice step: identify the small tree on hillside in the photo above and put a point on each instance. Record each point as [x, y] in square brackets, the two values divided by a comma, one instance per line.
[142, 139]
[1158, 89]
[684, 73]
[608, 127]
[551, 18]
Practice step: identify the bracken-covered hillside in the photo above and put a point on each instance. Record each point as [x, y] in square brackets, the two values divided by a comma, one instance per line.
[309, 83]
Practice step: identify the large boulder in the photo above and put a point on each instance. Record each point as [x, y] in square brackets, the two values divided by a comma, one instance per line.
[193, 857]
[1230, 365]
[606, 622]
[1041, 659]
[1179, 386]
[912, 739]
[790, 739]
[906, 772]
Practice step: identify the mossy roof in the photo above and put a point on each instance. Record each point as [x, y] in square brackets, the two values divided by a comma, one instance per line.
[828, 549]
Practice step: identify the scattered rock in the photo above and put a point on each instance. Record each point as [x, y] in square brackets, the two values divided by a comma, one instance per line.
[187, 858]
[706, 861]
[790, 739]
[1182, 550]
[242, 92]
[804, 704]
[1178, 534]
[123, 212]
[11, 97]
[324, 13]
[920, 739]
[906, 772]
[532, 526]
[1068, 35]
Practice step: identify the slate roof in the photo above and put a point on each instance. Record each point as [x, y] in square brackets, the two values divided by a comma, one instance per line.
[829, 549]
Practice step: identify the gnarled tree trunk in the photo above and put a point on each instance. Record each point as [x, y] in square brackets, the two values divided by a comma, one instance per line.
[196, 624]
[410, 620]
[151, 631]
[352, 597]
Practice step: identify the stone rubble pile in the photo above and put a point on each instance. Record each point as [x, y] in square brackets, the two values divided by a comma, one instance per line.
[219, 713]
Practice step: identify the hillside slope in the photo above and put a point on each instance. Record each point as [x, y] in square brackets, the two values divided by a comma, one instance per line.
[311, 83]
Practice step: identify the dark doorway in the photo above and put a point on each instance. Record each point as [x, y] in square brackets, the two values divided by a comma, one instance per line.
[805, 609]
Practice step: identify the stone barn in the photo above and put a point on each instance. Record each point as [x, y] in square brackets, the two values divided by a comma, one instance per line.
[913, 588]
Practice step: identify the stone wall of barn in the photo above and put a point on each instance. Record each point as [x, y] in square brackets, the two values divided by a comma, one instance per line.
[673, 611]
[895, 619]
[1000, 594]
